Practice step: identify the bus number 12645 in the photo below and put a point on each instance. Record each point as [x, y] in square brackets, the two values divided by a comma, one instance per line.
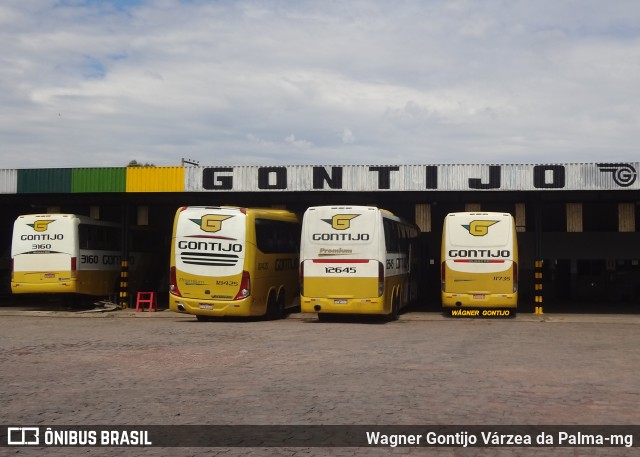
[338, 270]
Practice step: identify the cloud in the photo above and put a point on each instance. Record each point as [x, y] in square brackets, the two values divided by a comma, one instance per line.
[291, 140]
[348, 136]
[98, 83]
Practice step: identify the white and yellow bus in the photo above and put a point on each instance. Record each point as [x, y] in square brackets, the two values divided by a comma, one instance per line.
[228, 261]
[479, 264]
[357, 260]
[67, 253]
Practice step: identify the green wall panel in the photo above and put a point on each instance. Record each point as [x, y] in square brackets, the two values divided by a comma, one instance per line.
[44, 180]
[99, 180]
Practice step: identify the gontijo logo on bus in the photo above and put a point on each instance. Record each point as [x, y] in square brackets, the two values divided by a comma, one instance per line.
[210, 222]
[190, 251]
[41, 225]
[340, 222]
[479, 228]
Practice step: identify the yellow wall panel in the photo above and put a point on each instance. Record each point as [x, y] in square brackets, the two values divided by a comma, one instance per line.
[155, 179]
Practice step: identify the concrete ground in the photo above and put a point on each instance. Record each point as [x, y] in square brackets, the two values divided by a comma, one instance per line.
[121, 367]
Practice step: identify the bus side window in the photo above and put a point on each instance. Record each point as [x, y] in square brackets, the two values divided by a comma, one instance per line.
[294, 238]
[112, 239]
[83, 236]
[390, 235]
[277, 236]
[264, 236]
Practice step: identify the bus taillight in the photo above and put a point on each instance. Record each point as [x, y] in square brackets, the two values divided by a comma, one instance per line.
[74, 267]
[380, 279]
[245, 286]
[301, 278]
[173, 282]
[515, 277]
[443, 275]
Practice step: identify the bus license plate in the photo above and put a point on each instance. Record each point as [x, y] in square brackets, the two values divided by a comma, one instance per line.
[49, 275]
[204, 306]
[340, 302]
[478, 297]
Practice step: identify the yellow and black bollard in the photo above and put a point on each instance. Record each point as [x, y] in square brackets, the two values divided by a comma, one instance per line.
[123, 301]
[538, 286]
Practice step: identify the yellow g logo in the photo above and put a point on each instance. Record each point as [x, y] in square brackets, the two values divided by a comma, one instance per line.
[341, 221]
[211, 222]
[41, 225]
[479, 228]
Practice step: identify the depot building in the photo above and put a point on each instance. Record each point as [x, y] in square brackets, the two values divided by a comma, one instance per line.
[577, 223]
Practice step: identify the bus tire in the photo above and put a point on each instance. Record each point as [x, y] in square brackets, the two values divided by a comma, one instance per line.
[281, 304]
[325, 317]
[272, 307]
[395, 307]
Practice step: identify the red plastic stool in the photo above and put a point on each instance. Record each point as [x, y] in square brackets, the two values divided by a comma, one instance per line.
[146, 298]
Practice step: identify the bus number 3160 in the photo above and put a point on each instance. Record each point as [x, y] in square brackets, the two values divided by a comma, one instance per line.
[348, 270]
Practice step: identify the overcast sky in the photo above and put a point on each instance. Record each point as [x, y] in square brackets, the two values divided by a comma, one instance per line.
[98, 83]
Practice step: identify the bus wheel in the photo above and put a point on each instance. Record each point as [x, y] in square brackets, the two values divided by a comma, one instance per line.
[272, 307]
[281, 302]
[395, 307]
[325, 317]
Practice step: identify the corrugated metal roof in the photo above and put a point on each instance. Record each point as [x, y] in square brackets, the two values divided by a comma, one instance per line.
[349, 178]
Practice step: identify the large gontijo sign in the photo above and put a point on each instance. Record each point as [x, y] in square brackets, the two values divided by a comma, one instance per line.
[364, 178]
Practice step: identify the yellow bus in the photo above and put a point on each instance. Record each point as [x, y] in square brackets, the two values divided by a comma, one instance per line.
[479, 264]
[357, 260]
[69, 253]
[228, 261]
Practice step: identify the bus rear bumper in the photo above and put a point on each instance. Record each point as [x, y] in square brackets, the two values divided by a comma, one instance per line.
[212, 308]
[479, 301]
[63, 287]
[343, 305]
